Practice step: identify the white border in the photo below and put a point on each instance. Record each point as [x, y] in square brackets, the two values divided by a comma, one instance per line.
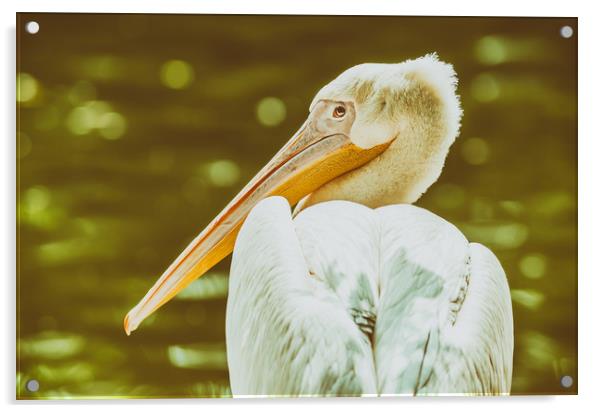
[590, 137]
[371, 7]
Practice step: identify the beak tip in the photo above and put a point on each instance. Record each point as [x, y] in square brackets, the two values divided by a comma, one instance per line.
[127, 325]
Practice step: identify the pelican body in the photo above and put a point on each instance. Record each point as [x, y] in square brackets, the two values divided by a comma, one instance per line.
[348, 300]
[357, 292]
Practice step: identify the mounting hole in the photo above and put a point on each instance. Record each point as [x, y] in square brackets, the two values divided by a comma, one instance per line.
[32, 27]
[32, 385]
[566, 32]
[566, 381]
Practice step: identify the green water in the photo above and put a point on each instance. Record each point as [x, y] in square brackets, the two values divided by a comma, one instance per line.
[134, 131]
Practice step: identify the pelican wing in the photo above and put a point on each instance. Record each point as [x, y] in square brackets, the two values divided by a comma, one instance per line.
[348, 300]
[475, 346]
[444, 323]
[287, 333]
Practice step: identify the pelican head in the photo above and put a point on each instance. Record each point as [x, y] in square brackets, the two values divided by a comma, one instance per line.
[378, 134]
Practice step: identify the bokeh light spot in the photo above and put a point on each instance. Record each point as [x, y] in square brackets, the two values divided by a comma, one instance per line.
[485, 88]
[475, 151]
[27, 87]
[99, 108]
[111, 125]
[96, 115]
[52, 345]
[211, 389]
[491, 50]
[552, 204]
[497, 235]
[36, 208]
[81, 120]
[541, 349]
[531, 299]
[533, 265]
[177, 74]
[271, 111]
[198, 356]
[223, 173]
[52, 374]
[511, 235]
[513, 208]
[87, 227]
[36, 199]
[213, 285]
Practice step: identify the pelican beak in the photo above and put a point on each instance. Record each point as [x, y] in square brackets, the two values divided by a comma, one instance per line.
[319, 152]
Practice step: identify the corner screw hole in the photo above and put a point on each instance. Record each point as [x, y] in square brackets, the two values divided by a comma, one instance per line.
[32, 27]
[566, 381]
[32, 385]
[566, 32]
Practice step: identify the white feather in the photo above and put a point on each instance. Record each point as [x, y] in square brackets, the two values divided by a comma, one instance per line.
[348, 300]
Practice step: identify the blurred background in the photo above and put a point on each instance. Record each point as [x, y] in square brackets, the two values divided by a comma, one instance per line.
[135, 130]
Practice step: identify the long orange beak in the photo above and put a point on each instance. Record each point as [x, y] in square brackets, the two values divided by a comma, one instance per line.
[319, 152]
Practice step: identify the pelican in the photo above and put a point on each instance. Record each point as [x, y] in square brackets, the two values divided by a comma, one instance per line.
[357, 292]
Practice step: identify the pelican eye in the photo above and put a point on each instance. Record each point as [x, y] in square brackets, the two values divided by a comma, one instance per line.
[339, 111]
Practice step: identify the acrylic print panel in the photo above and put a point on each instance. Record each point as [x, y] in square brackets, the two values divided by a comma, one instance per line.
[135, 131]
